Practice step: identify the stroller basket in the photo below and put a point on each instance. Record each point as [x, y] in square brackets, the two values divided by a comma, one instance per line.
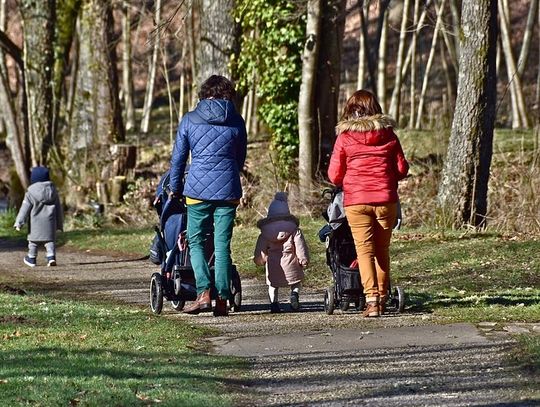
[349, 281]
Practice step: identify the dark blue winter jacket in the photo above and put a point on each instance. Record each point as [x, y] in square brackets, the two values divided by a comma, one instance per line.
[215, 134]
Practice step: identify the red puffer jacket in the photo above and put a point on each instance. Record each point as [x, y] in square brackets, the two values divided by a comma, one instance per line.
[367, 160]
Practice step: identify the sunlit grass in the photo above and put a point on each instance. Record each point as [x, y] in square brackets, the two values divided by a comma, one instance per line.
[56, 352]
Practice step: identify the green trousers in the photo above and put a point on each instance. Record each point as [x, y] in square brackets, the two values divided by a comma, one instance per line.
[203, 219]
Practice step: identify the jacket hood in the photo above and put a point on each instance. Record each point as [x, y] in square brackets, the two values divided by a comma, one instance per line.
[278, 230]
[366, 123]
[39, 174]
[216, 111]
[43, 192]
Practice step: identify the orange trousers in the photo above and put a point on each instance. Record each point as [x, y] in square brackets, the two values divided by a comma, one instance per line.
[371, 227]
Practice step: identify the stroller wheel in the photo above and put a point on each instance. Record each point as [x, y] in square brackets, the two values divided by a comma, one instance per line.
[399, 298]
[177, 305]
[329, 300]
[344, 305]
[156, 293]
[236, 301]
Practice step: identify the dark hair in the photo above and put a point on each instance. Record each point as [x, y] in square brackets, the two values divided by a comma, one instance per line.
[361, 103]
[217, 87]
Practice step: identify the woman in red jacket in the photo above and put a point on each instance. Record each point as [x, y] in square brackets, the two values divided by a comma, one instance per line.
[367, 162]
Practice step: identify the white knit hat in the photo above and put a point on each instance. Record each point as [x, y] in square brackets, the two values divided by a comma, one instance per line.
[279, 206]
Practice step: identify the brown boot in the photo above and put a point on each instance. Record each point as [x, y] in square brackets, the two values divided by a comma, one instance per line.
[221, 310]
[372, 309]
[201, 304]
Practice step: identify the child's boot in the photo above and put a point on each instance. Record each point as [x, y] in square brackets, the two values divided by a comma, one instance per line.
[30, 261]
[295, 301]
[51, 261]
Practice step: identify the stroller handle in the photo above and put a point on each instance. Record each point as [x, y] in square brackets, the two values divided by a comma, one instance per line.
[167, 207]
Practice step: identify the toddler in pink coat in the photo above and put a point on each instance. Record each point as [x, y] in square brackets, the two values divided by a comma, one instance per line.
[282, 248]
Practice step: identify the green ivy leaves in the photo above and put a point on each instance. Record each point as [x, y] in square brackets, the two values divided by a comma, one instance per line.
[272, 43]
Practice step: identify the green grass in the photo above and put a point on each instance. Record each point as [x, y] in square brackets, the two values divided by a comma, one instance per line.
[127, 240]
[56, 352]
[528, 353]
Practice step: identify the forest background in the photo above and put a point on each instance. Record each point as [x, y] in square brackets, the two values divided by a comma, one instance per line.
[94, 89]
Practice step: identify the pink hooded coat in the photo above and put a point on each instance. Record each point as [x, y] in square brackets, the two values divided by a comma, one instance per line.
[281, 245]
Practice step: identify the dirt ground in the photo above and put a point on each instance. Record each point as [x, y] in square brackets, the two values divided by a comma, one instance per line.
[309, 358]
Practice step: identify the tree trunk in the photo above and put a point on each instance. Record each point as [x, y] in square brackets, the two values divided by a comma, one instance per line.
[464, 183]
[425, 82]
[3, 25]
[14, 129]
[127, 69]
[456, 24]
[38, 27]
[413, 65]
[96, 117]
[396, 94]
[306, 111]
[363, 8]
[218, 39]
[519, 108]
[328, 79]
[149, 95]
[193, 51]
[415, 33]
[381, 64]
[14, 121]
[66, 19]
[527, 37]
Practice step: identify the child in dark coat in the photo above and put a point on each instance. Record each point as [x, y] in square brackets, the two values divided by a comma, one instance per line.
[42, 209]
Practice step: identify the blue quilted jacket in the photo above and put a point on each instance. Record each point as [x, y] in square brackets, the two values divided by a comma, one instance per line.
[215, 134]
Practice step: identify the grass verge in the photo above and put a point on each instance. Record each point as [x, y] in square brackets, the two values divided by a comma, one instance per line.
[56, 352]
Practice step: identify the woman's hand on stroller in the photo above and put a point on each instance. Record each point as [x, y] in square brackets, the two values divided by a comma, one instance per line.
[174, 195]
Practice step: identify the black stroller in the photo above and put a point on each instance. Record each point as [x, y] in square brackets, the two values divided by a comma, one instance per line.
[342, 260]
[176, 280]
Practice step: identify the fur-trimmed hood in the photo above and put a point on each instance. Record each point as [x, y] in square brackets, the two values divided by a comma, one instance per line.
[366, 123]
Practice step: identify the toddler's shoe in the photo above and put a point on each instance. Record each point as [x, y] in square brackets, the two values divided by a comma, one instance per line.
[295, 301]
[30, 261]
[274, 308]
[51, 261]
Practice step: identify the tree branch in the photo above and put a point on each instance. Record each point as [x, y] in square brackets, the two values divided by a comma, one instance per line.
[7, 45]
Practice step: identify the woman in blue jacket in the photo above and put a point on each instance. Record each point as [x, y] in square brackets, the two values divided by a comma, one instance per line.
[214, 134]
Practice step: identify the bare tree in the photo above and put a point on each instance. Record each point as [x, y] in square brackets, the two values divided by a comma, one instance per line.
[127, 68]
[527, 37]
[429, 63]
[413, 65]
[464, 183]
[381, 65]
[396, 93]
[519, 110]
[306, 111]
[14, 113]
[363, 10]
[152, 69]
[328, 79]
[38, 24]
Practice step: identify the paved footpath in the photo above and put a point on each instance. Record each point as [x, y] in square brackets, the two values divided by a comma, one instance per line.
[309, 358]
